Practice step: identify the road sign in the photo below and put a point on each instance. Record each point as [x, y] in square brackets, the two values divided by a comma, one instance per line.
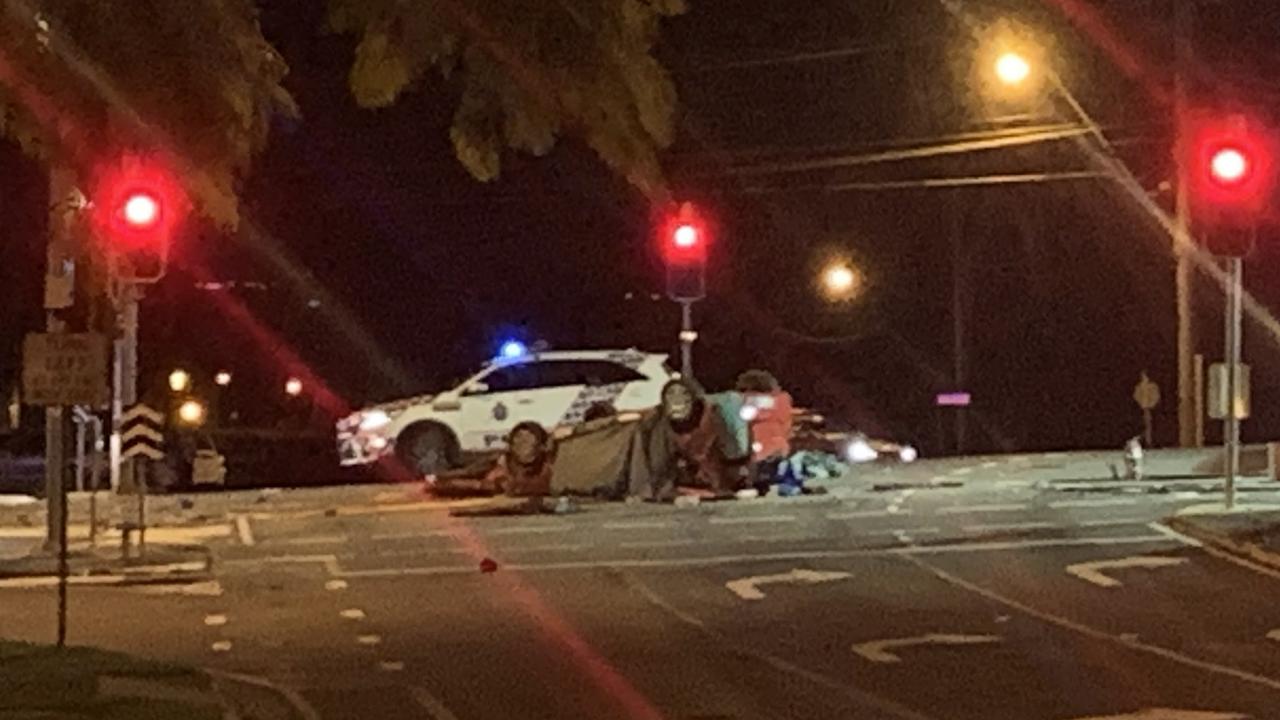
[142, 433]
[1146, 393]
[1218, 399]
[64, 369]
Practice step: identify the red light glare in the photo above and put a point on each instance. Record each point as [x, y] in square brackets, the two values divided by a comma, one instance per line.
[141, 210]
[686, 236]
[1230, 166]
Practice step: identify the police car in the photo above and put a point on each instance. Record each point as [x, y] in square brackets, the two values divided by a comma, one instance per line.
[432, 433]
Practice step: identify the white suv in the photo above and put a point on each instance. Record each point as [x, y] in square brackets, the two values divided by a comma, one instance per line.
[430, 433]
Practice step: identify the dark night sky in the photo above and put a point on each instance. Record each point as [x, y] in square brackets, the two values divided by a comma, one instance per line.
[419, 270]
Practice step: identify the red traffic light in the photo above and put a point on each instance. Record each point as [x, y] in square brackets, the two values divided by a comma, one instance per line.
[141, 210]
[1230, 166]
[686, 236]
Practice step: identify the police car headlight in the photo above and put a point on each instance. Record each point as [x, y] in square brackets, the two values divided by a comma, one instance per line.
[374, 419]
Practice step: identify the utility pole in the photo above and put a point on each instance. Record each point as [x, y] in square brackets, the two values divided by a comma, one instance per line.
[1190, 401]
[959, 277]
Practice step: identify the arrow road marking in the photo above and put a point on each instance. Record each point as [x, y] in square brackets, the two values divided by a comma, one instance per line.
[878, 650]
[1092, 571]
[1170, 714]
[748, 588]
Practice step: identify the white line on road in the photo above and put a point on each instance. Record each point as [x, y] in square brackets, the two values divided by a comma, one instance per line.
[762, 519]
[420, 535]
[647, 525]
[860, 514]
[1175, 535]
[658, 543]
[1274, 635]
[1007, 527]
[391, 665]
[748, 588]
[221, 646]
[993, 508]
[536, 529]
[335, 585]
[1092, 571]
[368, 639]
[207, 588]
[293, 697]
[878, 650]
[718, 560]
[1114, 522]
[1108, 502]
[434, 707]
[1170, 714]
[353, 614]
[245, 531]
[215, 620]
[317, 540]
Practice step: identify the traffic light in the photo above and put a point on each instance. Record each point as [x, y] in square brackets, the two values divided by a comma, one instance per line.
[138, 208]
[684, 238]
[1232, 174]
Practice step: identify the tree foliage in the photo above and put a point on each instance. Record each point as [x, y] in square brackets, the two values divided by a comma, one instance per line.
[529, 71]
[192, 80]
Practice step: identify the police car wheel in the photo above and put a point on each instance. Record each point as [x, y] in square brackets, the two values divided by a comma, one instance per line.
[427, 449]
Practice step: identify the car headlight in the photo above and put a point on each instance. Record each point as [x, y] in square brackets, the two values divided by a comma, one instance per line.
[907, 454]
[374, 419]
[860, 451]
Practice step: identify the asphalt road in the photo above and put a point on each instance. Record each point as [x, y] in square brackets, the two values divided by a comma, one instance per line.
[984, 601]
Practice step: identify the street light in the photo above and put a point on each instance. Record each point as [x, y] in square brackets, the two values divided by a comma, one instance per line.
[179, 380]
[223, 378]
[293, 387]
[840, 281]
[191, 412]
[1012, 68]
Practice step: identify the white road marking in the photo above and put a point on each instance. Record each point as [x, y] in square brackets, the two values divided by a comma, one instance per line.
[878, 651]
[720, 560]
[1092, 571]
[215, 620]
[1107, 502]
[208, 588]
[335, 585]
[330, 562]
[1116, 522]
[530, 529]
[658, 543]
[1006, 527]
[962, 471]
[894, 509]
[1095, 633]
[416, 535]
[990, 464]
[221, 646]
[1175, 535]
[368, 639]
[753, 520]
[748, 588]
[646, 525]
[1274, 635]
[318, 540]
[304, 709]
[1170, 714]
[434, 707]
[353, 614]
[858, 514]
[992, 508]
[555, 547]
[391, 665]
[245, 531]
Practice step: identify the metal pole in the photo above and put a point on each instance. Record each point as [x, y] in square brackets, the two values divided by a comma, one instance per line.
[1188, 417]
[1231, 427]
[958, 320]
[687, 336]
[59, 294]
[1198, 385]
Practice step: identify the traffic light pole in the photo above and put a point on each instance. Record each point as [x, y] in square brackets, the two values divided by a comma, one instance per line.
[1234, 337]
[687, 337]
[124, 473]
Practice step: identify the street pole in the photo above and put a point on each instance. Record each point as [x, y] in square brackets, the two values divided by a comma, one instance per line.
[1189, 411]
[126, 473]
[958, 277]
[1234, 333]
[687, 337]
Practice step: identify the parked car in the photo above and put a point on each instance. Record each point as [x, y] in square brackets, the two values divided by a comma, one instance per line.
[431, 433]
[22, 463]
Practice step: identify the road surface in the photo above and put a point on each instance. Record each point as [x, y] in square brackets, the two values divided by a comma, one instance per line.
[998, 599]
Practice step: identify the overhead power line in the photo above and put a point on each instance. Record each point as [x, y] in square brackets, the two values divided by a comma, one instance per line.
[935, 183]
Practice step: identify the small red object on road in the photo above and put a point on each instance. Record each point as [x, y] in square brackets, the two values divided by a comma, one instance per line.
[488, 565]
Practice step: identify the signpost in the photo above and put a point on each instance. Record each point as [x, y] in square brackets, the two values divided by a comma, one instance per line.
[1147, 395]
[62, 370]
[141, 440]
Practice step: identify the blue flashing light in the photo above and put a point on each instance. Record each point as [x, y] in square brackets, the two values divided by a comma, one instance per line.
[512, 349]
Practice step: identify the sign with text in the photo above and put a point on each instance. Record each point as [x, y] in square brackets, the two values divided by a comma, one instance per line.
[65, 369]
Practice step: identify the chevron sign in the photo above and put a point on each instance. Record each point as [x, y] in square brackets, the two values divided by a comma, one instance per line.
[142, 433]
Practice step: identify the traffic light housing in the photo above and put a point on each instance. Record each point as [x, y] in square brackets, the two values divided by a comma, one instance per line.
[684, 236]
[1231, 168]
[138, 208]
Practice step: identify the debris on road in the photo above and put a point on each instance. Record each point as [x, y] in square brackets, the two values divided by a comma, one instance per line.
[488, 565]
